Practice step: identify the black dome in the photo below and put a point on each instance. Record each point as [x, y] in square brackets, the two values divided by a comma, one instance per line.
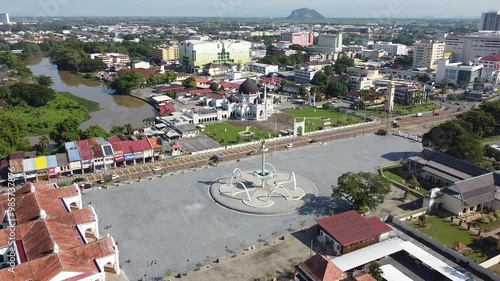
[258, 100]
[248, 88]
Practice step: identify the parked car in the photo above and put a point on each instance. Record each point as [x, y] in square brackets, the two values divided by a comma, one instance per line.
[156, 169]
[114, 177]
[381, 132]
[419, 114]
[290, 145]
[313, 141]
[79, 180]
[214, 157]
[252, 152]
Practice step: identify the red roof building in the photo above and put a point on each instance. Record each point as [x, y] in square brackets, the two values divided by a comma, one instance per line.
[319, 268]
[54, 237]
[200, 92]
[350, 231]
[229, 86]
[168, 107]
[84, 148]
[494, 57]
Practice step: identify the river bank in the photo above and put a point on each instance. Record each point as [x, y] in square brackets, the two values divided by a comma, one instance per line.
[112, 109]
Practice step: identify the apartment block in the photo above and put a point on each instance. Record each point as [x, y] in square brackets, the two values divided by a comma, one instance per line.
[490, 21]
[469, 47]
[165, 53]
[300, 38]
[261, 68]
[460, 74]
[426, 54]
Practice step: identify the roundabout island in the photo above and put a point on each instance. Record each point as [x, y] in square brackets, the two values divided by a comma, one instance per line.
[265, 191]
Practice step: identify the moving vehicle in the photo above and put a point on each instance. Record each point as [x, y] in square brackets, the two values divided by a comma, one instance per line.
[214, 157]
[419, 114]
[290, 145]
[313, 141]
[252, 152]
[156, 169]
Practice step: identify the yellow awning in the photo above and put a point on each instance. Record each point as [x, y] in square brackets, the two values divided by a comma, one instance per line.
[40, 163]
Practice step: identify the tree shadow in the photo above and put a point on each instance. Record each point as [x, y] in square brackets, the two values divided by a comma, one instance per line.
[322, 206]
[413, 205]
[397, 156]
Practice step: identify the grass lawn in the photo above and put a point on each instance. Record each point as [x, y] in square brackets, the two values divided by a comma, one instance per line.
[448, 234]
[400, 111]
[394, 173]
[91, 106]
[486, 227]
[43, 119]
[312, 115]
[226, 134]
[495, 138]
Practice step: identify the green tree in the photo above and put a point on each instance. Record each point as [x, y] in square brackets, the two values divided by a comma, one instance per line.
[214, 87]
[404, 61]
[44, 142]
[12, 135]
[422, 219]
[65, 131]
[170, 76]
[413, 183]
[452, 139]
[493, 108]
[362, 189]
[94, 131]
[116, 130]
[189, 83]
[125, 83]
[444, 89]
[328, 70]
[33, 94]
[44, 80]
[303, 91]
[156, 79]
[335, 89]
[482, 123]
[342, 63]
[320, 79]
[375, 271]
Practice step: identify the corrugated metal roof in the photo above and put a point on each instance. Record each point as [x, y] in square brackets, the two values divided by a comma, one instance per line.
[101, 141]
[108, 151]
[41, 163]
[51, 161]
[29, 165]
[73, 154]
[91, 142]
[84, 149]
[62, 159]
[117, 148]
[97, 151]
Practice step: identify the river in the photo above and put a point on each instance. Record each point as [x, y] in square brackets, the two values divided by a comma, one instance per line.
[115, 109]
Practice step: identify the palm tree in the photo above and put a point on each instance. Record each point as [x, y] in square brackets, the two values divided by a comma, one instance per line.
[43, 142]
[375, 271]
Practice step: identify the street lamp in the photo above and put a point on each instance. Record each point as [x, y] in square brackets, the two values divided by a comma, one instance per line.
[187, 262]
[226, 252]
[259, 240]
[290, 229]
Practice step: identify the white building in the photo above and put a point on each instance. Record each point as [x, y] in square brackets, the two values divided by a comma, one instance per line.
[459, 74]
[490, 21]
[468, 47]
[491, 64]
[4, 18]
[304, 76]
[195, 54]
[329, 43]
[141, 64]
[261, 68]
[427, 53]
[391, 48]
[249, 103]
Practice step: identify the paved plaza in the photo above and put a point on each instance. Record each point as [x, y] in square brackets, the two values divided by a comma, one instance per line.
[173, 219]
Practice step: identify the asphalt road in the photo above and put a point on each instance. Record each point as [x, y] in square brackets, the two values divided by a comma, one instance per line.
[174, 219]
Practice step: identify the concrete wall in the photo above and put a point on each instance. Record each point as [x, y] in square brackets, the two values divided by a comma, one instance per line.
[458, 257]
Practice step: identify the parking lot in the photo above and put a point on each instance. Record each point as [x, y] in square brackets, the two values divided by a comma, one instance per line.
[197, 144]
[173, 219]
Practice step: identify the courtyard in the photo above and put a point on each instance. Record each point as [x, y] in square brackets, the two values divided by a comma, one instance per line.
[161, 224]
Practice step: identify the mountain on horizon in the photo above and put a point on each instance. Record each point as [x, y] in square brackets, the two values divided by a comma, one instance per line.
[305, 14]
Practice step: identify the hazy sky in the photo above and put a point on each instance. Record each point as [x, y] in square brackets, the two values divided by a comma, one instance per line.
[255, 8]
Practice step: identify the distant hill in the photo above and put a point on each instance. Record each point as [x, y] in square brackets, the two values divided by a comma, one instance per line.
[305, 14]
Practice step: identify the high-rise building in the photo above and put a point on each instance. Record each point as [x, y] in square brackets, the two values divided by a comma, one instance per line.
[4, 18]
[468, 47]
[194, 54]
[490, 21]
[165, 53]
[331, 43]
[391, 48]
[300, 38]
[427, 53]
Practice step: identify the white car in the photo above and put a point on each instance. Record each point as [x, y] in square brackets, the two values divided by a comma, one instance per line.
[156, 169]
[114, 177]
[290, 145]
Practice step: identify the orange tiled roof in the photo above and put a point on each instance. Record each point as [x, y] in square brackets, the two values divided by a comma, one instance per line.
[321, 269]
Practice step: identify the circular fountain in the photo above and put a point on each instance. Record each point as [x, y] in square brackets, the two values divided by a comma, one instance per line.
[263, 191]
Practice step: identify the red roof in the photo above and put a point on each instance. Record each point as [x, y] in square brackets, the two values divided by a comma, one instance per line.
[135, 146]
[127, 147]
[200, 92]
[322, 269]
[275, 80]
[85, 152]
[201, 80]
[167, 107]
[495, 57]
[117, 148]
[175, 145]
[227, 85]
[350, 227]
[171, 89]
[97, 151]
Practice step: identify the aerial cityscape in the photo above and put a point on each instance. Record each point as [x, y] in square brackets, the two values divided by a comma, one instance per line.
[232, 140]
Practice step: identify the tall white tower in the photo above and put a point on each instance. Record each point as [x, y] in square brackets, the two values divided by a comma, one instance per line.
[389, 96]
[4, 18]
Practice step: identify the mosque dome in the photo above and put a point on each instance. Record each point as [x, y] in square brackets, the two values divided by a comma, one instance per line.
[248, 88]
[258, 100]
